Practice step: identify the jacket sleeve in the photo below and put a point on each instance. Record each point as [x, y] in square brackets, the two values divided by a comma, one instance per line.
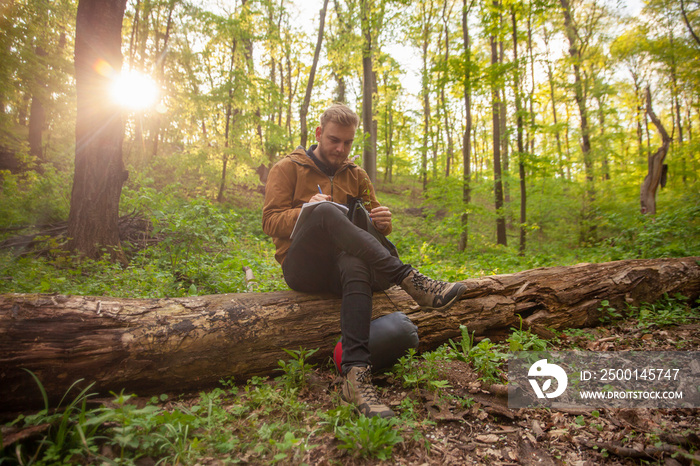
[278, 215]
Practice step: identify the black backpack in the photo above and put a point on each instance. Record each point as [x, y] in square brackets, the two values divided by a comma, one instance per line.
[359, 216]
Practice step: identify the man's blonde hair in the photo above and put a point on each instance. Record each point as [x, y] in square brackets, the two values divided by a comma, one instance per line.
[340, 114]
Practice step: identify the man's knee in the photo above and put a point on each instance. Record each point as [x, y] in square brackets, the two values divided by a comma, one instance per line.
[354, 272]
[327, 212]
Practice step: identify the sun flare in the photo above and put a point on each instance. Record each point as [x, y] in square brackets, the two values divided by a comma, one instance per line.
[134, 90]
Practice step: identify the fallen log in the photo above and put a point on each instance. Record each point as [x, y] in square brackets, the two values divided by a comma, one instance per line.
[153, 346]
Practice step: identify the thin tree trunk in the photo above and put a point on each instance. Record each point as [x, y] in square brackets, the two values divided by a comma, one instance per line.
[497, 173]
[37, 112]
[134, 34]
[448, 132]
[227, 128]
[369, 128]
[588, 227]
[687, 23]
[655, 163]
[521, 145]
[312, 74]
[426, 117]
[601, 119]
[388, 135]
[531, 128]
[160, 76]
[503, 115]
[466, 136]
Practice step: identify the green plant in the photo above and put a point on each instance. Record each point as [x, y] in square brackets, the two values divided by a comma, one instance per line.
[415, 373]
[70, 429]
[288, 446]
[296, 370]
[465, 344]
[580, 333]
[666, 312]
[486, 357]
[607, 312]
[525, 340]
[369, 437]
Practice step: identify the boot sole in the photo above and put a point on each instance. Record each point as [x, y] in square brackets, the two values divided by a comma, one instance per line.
[449, 304]
[357, 409]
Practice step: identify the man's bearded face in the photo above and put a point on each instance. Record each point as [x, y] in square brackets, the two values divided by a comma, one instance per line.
[334, 143]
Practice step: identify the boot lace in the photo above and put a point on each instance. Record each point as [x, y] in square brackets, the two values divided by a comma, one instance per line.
[426, 284]
[366, 388]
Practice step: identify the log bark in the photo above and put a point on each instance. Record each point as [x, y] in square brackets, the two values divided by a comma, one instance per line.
[153, 346]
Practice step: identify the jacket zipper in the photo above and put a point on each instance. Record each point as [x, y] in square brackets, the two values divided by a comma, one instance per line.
[314, 167]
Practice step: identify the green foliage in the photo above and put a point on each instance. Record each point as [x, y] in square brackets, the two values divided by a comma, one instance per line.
[525, 340]
[201, 249]
[607, 312]
[33, 198]
[296, 370]
[668, 311]
[126, 429]
[673, 232]
[417, 373]
[69, 430]
[486, 357]
[369, 437]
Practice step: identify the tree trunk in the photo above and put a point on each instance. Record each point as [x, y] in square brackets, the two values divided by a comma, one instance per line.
[466, 137]
[162, 54]
[588, 230]
[426, 117]
[227, 126]
[152, 346]
[99, 168]
[656, 161]
[369, 152]
[497, 172]
[445, 113]
[521, 146]
[310, 84]
[687, 24]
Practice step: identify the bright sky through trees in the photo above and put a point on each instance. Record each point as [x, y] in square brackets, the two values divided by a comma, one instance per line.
[134, 90]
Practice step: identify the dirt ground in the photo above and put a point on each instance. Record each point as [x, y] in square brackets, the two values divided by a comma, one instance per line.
[485, 431]
[489, 433]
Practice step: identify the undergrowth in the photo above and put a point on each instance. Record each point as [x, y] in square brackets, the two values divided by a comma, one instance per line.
[200, 247]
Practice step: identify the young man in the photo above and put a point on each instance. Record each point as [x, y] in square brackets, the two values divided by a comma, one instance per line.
[330, 253]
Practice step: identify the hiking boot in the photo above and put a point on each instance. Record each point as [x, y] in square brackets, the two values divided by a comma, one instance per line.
[358, 390]
[432, 294]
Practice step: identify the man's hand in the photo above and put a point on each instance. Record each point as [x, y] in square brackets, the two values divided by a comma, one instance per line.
[381, 216]
[320, 197]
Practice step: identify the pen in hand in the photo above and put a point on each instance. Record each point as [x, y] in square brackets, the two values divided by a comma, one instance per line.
[319, 189]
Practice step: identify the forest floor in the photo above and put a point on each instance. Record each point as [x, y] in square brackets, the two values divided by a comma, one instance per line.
[489, 433]
[458, 421]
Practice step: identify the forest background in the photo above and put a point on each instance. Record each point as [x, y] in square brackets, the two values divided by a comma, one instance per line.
[503, 135]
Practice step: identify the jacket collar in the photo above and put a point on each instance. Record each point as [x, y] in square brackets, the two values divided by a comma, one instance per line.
[299, 156]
